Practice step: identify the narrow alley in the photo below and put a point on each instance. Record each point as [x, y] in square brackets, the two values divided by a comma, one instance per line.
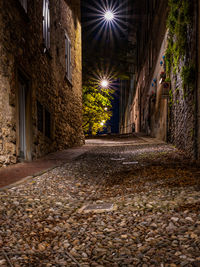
[129, 200]
[99, 133]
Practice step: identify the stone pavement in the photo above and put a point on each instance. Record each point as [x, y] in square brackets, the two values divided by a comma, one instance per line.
[16, 173]
[125, 202]
[20, 171]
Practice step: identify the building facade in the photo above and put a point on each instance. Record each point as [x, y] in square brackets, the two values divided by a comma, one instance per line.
[148, 39]
[165, 101]
[40, 78]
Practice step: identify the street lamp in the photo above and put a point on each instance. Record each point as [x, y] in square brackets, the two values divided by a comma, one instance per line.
[104, 83]
[107, 18]
[109, 15]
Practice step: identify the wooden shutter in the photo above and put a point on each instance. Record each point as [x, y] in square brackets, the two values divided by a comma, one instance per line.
[46, 23]
[68, 57]
[44, 20]
[70, 71]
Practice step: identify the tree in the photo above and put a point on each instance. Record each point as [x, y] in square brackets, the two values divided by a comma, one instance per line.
[96, 107]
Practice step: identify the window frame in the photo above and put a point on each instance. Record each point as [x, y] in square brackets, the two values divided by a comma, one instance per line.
[44, 120]
[68, 67]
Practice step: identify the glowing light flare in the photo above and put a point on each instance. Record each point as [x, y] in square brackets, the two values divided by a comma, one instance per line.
[104, 83]
[109, 15]
[104, 71]
[108, 21]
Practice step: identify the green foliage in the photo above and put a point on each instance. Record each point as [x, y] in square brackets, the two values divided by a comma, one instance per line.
[179, 20]
[168, 80]
[170, 98]
[192, 132]
[96, 108]
[188, 76]
[179, 24]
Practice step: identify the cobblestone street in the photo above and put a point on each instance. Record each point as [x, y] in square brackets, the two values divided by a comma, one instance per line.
[131, 201]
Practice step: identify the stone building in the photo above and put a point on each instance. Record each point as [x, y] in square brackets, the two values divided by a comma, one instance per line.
[141, 111]
[164, 103]
[198, 82]
[40, 78]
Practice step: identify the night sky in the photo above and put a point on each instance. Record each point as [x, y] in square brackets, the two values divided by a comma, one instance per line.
[104, 44]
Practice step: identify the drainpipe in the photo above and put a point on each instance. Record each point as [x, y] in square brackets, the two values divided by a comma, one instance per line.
[196, 148]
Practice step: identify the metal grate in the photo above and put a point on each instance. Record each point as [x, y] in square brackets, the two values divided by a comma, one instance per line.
[98, 208]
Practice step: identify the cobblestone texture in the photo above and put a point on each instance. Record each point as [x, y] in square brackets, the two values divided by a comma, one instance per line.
[156, 222]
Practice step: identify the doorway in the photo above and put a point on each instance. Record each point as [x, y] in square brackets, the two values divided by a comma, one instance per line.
[24, 120]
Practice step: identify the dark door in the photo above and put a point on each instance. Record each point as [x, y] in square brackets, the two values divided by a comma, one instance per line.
[22, 118]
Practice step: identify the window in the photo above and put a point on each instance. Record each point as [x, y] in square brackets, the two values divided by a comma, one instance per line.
[68, 58]
[24, 4]
[46, 24]
[39, 117]
[47, 124]
[44, 120]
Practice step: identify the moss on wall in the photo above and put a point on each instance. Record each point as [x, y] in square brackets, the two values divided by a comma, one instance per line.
[181, 71]
[179, 24]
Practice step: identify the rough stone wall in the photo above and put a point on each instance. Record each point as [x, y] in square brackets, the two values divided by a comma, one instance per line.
[7, 121]
[183, 101]
[22, 51]
[70, 98]
[198, 85]
[182, 117]
[179, 125]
